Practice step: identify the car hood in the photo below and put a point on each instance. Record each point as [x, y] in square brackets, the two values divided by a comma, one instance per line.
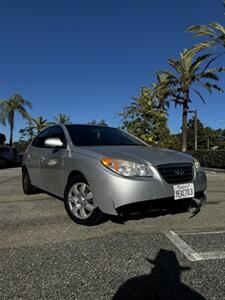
[150, 154]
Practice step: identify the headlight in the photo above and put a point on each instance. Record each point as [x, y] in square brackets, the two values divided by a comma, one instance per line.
[197, 165]
[127, 168]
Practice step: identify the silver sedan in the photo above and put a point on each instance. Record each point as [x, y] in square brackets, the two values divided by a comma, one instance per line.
[103, 170]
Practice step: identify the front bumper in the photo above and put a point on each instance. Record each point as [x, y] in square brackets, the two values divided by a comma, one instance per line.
[164, 206]
[116, 191]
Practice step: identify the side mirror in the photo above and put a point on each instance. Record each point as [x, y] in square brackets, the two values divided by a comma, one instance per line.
[53, 143]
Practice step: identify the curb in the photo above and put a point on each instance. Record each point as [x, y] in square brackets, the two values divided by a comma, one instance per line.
[214, 170]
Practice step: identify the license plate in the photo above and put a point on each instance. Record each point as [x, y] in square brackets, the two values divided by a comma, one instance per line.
[183, 191]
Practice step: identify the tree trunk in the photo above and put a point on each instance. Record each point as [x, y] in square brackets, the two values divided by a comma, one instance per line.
[184, 125]
[11, 128]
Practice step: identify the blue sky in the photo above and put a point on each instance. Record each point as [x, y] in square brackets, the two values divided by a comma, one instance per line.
[88, 58]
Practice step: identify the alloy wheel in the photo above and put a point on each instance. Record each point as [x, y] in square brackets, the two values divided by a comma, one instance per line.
[80, 200]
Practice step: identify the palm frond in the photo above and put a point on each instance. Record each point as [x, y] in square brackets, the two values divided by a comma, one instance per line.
[216, 87]
[201, 30]
[23, 113]
[199, 61]
[186, 59]
[175, 64]
[2, 119]
[218, 27]
[210, 87]
[216, 70]
[199, 94]
[211, 61]
[210, 75]
[27, 103]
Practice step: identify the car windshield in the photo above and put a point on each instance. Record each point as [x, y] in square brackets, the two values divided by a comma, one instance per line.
[87, 135]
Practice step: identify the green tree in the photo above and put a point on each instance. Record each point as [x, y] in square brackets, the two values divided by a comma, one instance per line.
[62, 119]
[26, 136]
[173, 141]
[189, 75]
[27, 133]
[143, 118]
[39, 123]
[207, 136]
[201, 134]
[8, 108]
[215, 137]
[2, 116]
[162, 90]
[102, 122]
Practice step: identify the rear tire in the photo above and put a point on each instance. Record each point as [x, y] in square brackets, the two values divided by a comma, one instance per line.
[28, 188]
[79, 203]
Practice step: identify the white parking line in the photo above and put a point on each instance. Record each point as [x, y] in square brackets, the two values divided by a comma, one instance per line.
[202, 232]
[190, 253]
[182, 246]
[212, 255]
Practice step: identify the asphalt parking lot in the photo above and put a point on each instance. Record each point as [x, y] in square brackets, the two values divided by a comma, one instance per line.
[44, 255]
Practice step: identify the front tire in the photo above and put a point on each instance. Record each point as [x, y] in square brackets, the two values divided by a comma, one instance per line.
[79, 202]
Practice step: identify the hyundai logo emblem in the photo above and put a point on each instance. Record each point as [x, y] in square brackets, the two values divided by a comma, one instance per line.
[179, 172]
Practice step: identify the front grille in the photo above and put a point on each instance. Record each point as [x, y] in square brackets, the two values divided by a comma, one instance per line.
[176, 173]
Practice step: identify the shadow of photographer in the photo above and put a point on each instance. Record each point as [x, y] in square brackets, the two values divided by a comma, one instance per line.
[164, 282]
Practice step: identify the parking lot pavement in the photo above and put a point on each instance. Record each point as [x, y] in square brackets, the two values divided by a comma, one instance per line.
[44, 255]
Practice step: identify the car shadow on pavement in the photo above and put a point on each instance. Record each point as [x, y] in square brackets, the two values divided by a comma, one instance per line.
[148, 214]
[163, 282]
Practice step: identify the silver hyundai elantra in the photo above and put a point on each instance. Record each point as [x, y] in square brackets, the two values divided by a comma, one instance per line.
[103, 170]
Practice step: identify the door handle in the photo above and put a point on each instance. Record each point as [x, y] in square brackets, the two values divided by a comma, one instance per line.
[42, 158]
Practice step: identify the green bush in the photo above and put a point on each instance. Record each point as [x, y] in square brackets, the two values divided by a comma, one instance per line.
[210, 158]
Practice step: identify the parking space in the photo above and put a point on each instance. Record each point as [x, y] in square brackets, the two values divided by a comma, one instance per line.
[199, 245]
[44, 255]
[113, 266]
[205, 241]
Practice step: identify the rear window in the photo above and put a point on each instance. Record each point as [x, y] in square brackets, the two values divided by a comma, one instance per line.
[86, 135]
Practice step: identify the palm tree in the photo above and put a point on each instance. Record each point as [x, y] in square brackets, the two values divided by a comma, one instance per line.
[2, 116]
[162, 89]
[188, 73]
[62, 119]
[39, 123]
[214, 32]
[9, 107]
[161, 92]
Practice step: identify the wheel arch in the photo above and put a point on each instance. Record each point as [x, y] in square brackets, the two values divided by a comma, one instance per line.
[75, 173]
[24, 168]
[72, 174]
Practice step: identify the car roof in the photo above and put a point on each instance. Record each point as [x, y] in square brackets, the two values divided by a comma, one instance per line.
[87, 125]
